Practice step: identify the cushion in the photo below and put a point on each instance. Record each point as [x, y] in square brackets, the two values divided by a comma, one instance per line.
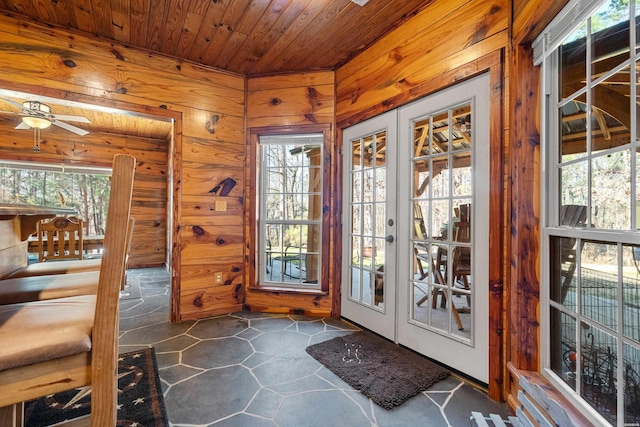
[44, 330]
[26, 289]
[57, 267]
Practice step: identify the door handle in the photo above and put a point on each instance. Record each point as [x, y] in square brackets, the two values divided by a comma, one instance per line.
[389, 239]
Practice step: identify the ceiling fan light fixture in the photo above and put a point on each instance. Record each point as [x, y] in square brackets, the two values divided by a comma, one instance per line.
[36, 122]
[360, 2]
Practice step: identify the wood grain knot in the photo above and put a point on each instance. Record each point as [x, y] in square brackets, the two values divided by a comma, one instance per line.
[117, 54]
[198, 231]
[220, 242]
[197, 301]
[235, 269]
[275, 101]
[69, 63]
[212, 122]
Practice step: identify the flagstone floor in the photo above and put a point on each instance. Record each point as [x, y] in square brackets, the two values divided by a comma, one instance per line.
[251, 369]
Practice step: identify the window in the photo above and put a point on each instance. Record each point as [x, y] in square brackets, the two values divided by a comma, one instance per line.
[290, 219]
[591, 200]
[85, 189]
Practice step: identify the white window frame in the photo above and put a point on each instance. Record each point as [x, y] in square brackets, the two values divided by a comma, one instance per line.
[545, 54]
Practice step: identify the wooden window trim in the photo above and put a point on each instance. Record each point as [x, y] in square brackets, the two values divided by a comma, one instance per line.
[253, 243]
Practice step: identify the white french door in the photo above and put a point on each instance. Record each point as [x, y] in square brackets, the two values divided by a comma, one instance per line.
[369, 228]
[443, 244]
[436, 196]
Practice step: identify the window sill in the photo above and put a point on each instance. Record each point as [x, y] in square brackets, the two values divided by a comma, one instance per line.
[574, 413]
[286, 290]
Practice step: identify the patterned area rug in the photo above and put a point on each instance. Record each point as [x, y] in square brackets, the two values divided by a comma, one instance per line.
[140, 401]
[386, 373]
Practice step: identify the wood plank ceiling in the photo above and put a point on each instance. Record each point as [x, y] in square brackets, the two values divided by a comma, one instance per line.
[249, 37]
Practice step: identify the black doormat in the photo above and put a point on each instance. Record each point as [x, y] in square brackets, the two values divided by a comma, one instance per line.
[382, 371]
[140, 401]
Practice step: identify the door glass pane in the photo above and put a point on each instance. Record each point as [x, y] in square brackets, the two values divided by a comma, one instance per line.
[440, 176]
[442, 271]
[461, 128]
[439, 133]
[368, 221]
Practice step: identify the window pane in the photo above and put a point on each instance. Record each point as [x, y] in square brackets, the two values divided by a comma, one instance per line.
[611, 191]
[573, 184]
[631, 385]
[631, 292]
[563, 280]
[573, 130]
[291, 210]
[611, 112]
[598, 366]
[573, 59]
[563, 346]
[599, 283]
[610, 37]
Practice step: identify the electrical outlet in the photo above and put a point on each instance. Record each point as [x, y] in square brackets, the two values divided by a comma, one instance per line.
[218, 277]
[221, 206]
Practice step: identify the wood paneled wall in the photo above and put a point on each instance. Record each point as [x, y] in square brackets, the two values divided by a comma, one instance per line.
[149, 204]
[291, 100]
[530, 17]
[447, 42]
[207, 151]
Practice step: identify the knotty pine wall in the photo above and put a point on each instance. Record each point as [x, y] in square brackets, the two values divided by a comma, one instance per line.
[208, 107]
[288, 100]
[447, 42]
[530, 17]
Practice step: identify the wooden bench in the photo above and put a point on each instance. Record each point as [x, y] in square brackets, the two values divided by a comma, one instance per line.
[538, 404]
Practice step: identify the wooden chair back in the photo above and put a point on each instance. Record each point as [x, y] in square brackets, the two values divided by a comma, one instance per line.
[60, 238]
[98, 367]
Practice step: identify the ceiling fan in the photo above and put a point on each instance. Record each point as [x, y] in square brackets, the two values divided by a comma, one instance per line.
[37, 116]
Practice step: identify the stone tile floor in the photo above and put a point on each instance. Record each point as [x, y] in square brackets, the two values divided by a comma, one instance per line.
[251, 369]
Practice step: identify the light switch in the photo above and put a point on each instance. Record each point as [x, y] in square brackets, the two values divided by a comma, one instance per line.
[221, 206]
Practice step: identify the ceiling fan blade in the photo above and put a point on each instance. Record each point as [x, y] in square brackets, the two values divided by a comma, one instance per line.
[14, 103]
[79, 119]
[23, 125]
[69, 127]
